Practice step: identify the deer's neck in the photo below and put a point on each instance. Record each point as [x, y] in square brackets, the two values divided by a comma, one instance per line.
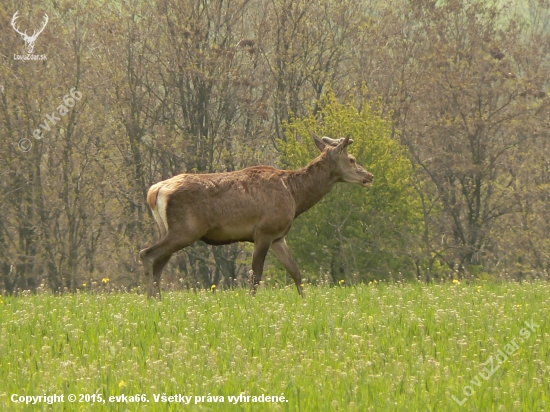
[310, 184]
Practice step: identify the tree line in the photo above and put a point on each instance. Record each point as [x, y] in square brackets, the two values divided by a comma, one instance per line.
[446, 100]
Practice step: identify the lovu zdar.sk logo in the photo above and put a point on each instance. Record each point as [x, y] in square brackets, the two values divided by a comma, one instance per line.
[29, 40]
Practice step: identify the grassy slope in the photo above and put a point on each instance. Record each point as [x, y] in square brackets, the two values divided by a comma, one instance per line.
[382, 347]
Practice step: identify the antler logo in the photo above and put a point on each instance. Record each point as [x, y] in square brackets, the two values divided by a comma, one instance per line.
[29, 40]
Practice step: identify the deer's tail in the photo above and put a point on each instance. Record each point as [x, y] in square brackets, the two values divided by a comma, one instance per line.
[158, 202]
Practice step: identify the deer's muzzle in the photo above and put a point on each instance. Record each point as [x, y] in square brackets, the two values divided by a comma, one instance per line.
[367, 181]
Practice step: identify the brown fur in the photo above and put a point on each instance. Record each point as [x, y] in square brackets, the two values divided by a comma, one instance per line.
[257, 204]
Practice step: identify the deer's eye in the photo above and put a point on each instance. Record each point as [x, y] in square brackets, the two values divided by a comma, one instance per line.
[352, 161]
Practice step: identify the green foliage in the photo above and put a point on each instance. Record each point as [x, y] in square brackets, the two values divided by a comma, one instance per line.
[355, 233]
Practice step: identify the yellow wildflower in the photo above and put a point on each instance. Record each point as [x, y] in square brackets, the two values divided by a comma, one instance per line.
[105, 280]
[122, 384]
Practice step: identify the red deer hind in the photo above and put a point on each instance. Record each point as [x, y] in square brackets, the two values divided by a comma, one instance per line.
[257, 204]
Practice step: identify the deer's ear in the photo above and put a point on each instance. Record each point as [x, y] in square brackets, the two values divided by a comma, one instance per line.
[318, 141]
[344, 143]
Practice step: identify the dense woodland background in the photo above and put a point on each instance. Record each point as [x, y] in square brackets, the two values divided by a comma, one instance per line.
[447, 102]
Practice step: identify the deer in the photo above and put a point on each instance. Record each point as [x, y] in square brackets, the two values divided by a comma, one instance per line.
[257, 204]
[29, 40]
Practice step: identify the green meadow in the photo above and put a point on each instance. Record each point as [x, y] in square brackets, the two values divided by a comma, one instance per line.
[377, 347]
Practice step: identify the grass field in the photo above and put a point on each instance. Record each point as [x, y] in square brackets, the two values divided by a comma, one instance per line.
[383, 347]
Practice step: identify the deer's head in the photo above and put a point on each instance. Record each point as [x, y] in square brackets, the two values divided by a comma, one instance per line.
[29, 40]
[343, 164]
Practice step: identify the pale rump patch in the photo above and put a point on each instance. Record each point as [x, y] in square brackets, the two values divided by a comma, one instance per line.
[159, 222]
[161, 209]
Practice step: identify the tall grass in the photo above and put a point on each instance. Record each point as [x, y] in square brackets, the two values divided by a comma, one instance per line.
[379, 347]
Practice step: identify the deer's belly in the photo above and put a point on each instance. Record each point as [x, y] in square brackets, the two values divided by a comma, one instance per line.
[230, 234]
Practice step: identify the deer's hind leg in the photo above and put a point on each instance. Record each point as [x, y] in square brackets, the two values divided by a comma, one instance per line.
[156, 257]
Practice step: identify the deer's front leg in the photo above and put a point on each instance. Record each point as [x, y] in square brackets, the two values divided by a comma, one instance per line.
[282, 252]
[261, 246]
